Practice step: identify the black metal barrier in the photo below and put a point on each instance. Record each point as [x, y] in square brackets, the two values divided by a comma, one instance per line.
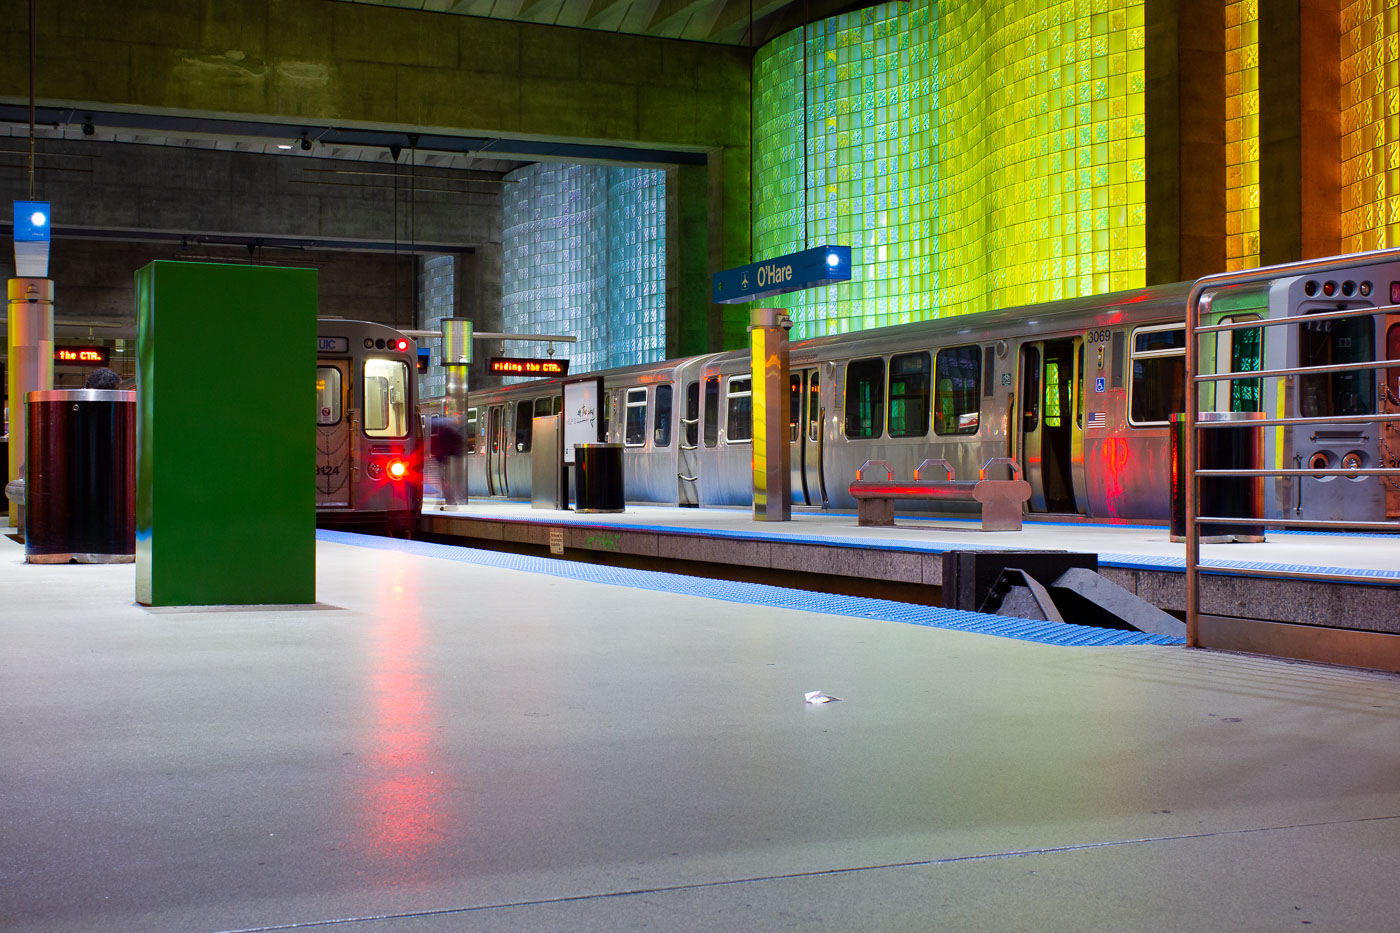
[80, 482]
[598, 478]
[1231, 448]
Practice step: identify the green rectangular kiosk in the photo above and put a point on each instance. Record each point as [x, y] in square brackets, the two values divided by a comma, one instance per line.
[226, 448]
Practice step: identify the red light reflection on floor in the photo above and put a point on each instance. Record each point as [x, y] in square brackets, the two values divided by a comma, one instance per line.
[404, 802]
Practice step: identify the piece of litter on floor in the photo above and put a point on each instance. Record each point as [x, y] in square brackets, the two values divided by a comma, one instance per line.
[816, 696]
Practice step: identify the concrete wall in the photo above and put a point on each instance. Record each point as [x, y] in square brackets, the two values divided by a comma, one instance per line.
[110, 186]
[355, 64]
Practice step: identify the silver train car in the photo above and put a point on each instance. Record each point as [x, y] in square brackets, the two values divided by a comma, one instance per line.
[369, 439]
[1078, 392]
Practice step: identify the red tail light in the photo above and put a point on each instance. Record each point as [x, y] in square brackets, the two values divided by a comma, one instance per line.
[397, 469]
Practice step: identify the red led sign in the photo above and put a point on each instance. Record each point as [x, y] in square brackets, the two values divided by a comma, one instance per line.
[523, 366]
[80, 356]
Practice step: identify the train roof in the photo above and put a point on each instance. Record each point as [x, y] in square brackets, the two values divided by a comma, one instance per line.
[1142, 303]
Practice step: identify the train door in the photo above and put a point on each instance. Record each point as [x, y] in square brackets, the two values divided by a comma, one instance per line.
[688, 460]
[496, 444]
[1390, 405]
[1052, 424]
[333, 460]
[805, 426]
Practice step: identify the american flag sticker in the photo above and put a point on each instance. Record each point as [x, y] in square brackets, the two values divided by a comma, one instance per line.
[1096, 419]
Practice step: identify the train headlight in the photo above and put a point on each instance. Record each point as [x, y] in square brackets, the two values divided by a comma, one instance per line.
[397, 470]
[1353, 460]
[375, 469]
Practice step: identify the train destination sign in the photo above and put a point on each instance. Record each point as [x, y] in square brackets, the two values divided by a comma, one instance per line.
[810, 268]
[526, 366]
[80, 356]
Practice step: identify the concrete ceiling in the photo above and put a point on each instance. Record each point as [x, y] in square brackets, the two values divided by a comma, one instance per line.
[748, 23]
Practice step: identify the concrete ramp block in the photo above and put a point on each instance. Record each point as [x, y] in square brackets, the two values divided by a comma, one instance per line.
[1025, 597]
[1110, 598]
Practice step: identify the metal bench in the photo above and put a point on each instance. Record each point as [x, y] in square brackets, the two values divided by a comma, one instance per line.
[1001, 499]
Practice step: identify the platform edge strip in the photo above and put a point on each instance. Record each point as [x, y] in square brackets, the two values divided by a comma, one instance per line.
[760, 594]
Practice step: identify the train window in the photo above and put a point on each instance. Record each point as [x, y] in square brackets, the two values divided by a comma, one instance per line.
[327, 395]
[1054, 391]
[1158, 386]
[957, 391]
[386, 398]
[1245, 351]
[711, 411]
[544, 407]
[558, 405]
[814, 405]
[1323, 343]
[1079, 382]
[472, 416]
[865, 398]
[524, 425]
[1392, 375]
[1030, 389]
[692, 416]
[634, 432]
[794, 406]
[661, 423]
[739, 409]
[909, 389]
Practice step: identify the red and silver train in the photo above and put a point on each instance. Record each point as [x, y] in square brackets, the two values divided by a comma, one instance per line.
[1079, 392]
[369, 439]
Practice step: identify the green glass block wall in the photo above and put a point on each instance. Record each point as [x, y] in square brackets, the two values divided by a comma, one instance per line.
[974, 155]
[1370, 80]
[583, 250]
[1242, 134]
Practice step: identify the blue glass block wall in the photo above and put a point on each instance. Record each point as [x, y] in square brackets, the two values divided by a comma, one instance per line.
[584, 253]
[975, 154]
[436, 281]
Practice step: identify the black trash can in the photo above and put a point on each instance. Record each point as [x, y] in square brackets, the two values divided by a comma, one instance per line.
[80, 476]
[598, 478]
[1232, 448]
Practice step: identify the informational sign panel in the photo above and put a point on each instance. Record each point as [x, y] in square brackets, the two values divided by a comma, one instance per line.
[583, 414]
[810, 268]
[524, 366]
[80, 356]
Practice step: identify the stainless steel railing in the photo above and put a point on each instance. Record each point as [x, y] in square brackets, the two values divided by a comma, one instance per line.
[1195, 379]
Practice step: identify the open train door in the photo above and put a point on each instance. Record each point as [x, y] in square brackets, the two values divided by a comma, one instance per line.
[805, 425]
[1390, 405]
[496, 445]
[333, 461]
[1051, 425]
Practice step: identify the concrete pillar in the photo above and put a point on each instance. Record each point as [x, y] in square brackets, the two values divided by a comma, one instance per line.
[30, 369]
[1185, 65]
[1299, 130]
[772, 450]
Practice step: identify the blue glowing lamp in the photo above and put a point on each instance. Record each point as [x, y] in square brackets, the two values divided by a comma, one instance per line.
[32, 234]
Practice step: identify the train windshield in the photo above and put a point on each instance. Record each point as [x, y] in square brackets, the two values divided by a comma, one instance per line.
[1338, 342]
[386, 398]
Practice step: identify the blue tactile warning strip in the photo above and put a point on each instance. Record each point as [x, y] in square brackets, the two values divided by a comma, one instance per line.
[1049, 633]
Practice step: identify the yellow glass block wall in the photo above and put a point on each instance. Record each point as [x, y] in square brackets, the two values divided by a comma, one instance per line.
[975, 154]
[1242, 134]
[1370, 81]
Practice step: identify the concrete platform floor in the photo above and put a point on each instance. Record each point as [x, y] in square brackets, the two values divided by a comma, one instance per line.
[440, 746]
